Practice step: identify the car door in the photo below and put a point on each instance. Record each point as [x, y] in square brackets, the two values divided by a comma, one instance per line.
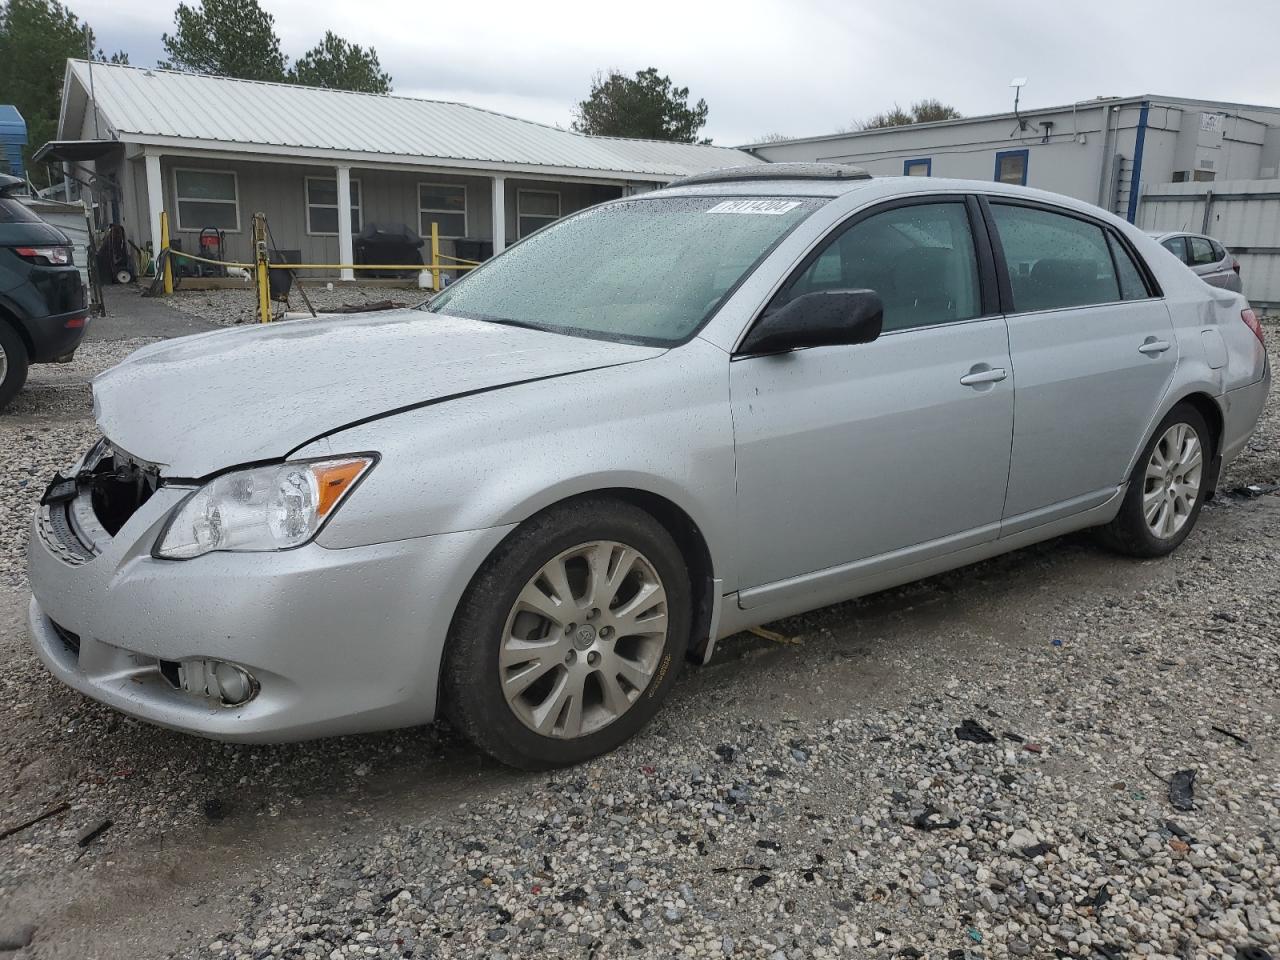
[1093, 347]
[846, 454]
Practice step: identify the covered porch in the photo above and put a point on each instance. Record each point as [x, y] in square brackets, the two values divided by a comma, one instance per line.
[317, 211]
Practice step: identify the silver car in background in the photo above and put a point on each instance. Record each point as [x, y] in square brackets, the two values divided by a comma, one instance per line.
[647, 426]
[1208, 259]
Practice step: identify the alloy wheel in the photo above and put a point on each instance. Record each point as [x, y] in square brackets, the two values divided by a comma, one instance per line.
[4, 363]
[583, 639]
[1172, 483]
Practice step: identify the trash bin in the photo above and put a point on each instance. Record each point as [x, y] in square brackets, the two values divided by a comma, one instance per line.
[388, 243]
[281, 281]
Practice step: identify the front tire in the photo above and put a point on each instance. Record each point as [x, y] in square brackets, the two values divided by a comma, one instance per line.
[13, 363]
[1166, 489]
[570, 636]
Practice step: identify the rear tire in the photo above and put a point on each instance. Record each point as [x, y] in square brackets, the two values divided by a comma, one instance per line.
[605, 646]
[13, 363]
[1166, 489]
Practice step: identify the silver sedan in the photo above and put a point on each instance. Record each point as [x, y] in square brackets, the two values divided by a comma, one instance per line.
[1208, 259]
[526, 504]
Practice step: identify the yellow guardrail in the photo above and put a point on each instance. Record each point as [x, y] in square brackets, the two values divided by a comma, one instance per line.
[262, 266]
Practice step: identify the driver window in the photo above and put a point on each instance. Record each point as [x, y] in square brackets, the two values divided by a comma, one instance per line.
[919, 258]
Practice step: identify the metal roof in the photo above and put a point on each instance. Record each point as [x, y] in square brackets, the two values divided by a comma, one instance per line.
[149, 105]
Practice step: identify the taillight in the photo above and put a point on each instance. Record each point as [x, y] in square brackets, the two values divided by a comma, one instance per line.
[45, 256]
[1235, 265]
[1251, 321]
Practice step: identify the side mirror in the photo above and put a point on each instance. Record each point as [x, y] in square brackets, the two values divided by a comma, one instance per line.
[830, 318]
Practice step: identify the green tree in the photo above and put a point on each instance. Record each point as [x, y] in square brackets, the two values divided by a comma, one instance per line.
[36, 39]
[227, 38]
[928, 110]
[646, 106]
[340, 65]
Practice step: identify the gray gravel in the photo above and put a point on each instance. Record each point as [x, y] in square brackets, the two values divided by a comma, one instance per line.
[236, 306]
[803, 800]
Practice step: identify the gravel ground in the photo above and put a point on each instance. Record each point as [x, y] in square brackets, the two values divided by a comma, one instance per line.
[237, 306]
[807, 799]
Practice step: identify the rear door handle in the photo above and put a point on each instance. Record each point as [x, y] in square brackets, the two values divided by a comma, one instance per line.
[1151, 346]
[990, 375]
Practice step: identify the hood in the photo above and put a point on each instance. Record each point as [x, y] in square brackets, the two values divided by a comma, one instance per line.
[201, 404]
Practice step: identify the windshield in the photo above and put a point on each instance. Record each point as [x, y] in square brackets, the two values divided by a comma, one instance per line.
[640, 271]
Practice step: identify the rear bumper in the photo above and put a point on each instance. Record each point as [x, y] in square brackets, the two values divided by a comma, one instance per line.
[339, 641]
[1241, 409]
[58, 336]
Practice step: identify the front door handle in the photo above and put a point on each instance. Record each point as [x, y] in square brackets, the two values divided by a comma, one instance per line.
[1151, 346]
[977, 377]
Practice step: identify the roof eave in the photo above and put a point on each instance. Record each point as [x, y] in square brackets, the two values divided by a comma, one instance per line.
[319, 156]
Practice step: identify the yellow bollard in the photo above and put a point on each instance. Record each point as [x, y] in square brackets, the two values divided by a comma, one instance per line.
[435, 256]
[263, 267]
[164, 247]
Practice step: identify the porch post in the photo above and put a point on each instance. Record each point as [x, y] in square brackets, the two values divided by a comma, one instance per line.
[346, 251]
[499, 215]
[155, 200]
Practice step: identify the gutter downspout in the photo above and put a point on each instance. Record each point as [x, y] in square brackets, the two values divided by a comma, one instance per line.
[1105, 157]
[1135, 180]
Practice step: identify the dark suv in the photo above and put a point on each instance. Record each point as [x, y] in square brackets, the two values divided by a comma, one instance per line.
[43, 312]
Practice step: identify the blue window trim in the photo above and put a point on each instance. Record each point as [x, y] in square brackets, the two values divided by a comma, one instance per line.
[1026, 163]
[928, 166]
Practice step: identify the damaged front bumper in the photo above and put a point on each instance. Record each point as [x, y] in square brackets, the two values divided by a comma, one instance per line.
[330, 641]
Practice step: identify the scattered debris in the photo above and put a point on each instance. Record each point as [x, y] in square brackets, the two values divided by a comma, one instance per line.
[1181, 790]
[974, 732]
[773, 636]
[1234, 736]
[92, 832]
[1254, 490]
[51, 812]
[924, 820]
[761, 880]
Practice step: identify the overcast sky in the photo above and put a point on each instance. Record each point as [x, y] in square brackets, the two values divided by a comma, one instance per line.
[795, 67]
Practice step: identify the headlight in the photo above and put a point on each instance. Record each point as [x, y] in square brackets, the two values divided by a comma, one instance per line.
[263, 508]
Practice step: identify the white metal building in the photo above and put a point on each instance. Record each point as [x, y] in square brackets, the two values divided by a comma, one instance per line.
[1144, 158]
[211, 151]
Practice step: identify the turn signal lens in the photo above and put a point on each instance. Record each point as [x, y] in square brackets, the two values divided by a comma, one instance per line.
[333, 480]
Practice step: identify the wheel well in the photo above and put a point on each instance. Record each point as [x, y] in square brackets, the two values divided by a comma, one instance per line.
[691, 543]
[7, 316]
[1207, 408]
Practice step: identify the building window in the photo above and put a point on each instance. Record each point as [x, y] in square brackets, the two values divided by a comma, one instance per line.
[535, 209]
[207, 198]
[444, 204]
[1011, 167]
[918, 168]
[322, 206]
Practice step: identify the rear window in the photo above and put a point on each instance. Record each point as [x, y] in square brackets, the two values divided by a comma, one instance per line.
[11, 211]
[1055, 260]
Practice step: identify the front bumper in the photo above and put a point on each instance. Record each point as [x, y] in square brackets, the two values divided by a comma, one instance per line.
[340, 641]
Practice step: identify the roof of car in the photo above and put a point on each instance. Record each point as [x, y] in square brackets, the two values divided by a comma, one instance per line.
[874, 187]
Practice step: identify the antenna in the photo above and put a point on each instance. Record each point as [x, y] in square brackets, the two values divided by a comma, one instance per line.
[1018, 83]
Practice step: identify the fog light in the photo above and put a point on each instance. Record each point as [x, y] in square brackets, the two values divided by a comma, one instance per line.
[235, 686]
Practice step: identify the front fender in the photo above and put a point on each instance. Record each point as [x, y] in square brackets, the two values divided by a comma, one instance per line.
[661, 426]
